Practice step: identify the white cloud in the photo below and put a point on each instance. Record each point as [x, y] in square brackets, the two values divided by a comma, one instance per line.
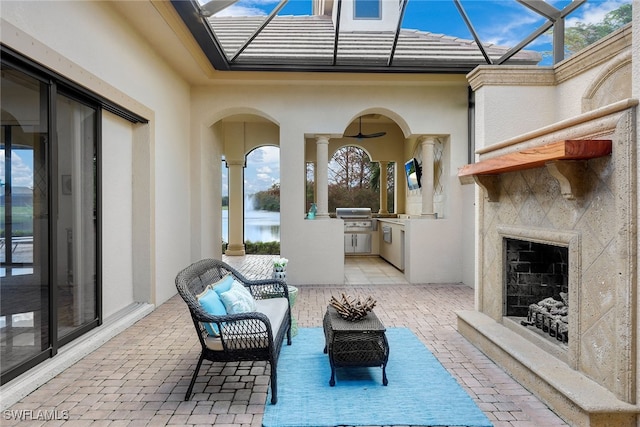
[265, 177]
[594, 11]
[240, 11]
[263, 169]
[510, 31]
[271, 154]
[21, 172]
[511, 26]
[248, 8]
[502, 23]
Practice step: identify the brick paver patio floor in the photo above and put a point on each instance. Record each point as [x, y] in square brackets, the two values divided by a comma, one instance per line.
[139, 377]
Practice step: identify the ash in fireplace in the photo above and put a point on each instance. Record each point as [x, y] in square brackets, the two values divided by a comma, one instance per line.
[551, 316]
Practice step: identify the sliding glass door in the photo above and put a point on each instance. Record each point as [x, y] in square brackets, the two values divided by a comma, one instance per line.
[24, 233]
[49, 272]
[75, 219]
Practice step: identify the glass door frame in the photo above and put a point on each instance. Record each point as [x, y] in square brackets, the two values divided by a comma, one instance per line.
[56, 86]
[55, 184]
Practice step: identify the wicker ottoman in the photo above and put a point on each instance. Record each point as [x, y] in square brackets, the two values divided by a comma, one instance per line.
[362, 343]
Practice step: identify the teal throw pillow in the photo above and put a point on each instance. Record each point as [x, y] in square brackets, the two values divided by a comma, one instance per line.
[212, 304]
[224, 284]
[238, 299]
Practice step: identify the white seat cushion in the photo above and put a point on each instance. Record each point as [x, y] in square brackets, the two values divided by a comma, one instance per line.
[275, 310]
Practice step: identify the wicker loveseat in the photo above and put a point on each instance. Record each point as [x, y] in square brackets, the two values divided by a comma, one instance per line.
[256, 335]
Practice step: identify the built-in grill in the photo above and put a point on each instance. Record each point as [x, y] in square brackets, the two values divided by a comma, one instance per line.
[358, 226]
[355, 219]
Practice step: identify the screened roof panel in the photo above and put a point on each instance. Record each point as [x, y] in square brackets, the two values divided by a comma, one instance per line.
[317, 43]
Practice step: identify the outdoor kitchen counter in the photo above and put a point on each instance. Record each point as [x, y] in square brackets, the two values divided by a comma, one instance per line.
[391, 235]
[392, 220]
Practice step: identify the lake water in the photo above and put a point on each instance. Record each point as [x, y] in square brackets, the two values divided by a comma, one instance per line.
[259, 226]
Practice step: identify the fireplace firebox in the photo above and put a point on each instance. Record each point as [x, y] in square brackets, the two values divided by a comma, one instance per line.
[536, 286]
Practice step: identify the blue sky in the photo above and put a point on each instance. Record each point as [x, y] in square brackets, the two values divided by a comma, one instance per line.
[500, 22]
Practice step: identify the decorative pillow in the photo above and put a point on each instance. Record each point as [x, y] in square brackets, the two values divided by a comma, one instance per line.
[212, 304]
[238, 299]
[223, 285]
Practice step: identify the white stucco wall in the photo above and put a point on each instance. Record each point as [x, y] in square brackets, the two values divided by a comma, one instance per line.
[315, 248]
[511, 110]
[206, 226]
[91, 43]
[117, 221]
[468, 226]
[514, 100]
[573, 88]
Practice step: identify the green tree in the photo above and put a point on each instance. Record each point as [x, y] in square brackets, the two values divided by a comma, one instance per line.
[354, 181]
[268, 200]
[350, 180]
[582, 35]
[310, 187]
[350, 167]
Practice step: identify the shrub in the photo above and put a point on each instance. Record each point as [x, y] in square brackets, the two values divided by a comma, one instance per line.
[258, 248]
[262, 248]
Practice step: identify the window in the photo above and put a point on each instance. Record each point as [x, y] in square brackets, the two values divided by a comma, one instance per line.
[367, 9]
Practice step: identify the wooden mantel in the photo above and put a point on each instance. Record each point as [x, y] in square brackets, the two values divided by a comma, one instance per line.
[564, 159]
[571, 149]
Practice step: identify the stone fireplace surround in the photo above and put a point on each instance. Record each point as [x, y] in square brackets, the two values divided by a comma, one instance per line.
[593, 381]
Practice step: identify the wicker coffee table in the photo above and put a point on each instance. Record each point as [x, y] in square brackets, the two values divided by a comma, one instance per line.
[362, 343]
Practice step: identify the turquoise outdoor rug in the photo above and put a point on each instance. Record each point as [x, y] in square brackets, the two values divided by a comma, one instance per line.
[420, 391]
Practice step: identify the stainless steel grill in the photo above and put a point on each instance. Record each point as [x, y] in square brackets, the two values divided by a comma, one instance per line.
[355, 219]
[358, 226]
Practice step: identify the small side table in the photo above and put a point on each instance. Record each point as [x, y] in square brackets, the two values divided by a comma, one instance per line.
[362, 343]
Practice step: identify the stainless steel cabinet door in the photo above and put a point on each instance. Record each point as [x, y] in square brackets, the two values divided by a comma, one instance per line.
[358, 243]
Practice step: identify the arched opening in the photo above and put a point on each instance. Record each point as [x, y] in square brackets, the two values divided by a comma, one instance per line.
[362, 166]
[262, 201]
[261, 196]
[250, 189]
[354, 180]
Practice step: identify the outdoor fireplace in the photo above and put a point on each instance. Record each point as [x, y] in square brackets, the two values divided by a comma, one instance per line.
[536, 287]
[546, 237]
[571, 184]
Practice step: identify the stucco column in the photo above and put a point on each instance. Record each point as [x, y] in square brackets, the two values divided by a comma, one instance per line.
[427, 143]
[322, 166]
[383, 187]
[236, 208]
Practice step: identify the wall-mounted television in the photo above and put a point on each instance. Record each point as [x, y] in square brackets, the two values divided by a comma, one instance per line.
[414, 174]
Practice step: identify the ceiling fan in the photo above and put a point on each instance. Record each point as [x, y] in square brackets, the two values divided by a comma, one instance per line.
[361, 135]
